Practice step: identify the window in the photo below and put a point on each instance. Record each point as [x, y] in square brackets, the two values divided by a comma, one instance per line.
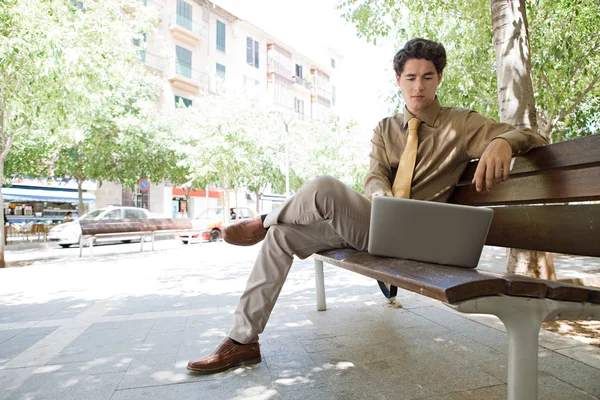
[299, 71]
[220, 36]
[252, 52]
[333, 95]
[114, 214]
[299, 108]
[221, 71]
[183, 64]
[186, 102]
[184, 14]
[135, 214]
[141, 53]
[333, 63]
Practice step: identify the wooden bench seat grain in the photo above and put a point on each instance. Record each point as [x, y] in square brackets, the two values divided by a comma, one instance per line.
[533, 210]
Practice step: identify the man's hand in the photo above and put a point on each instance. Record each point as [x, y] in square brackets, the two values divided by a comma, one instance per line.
[494, 165]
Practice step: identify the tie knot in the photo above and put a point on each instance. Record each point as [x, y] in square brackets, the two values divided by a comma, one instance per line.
[413, 123]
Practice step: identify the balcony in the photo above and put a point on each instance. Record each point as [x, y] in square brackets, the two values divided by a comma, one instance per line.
[151, 61]
[188, 79]
[302, 84]
[186, 30]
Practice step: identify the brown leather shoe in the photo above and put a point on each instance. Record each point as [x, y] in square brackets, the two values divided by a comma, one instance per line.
[245, 233]
[227, 355]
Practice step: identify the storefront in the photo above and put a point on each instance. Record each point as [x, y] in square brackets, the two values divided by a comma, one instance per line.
[23, 204]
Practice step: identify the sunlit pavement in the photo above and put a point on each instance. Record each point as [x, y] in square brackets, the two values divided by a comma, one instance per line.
[123, 324]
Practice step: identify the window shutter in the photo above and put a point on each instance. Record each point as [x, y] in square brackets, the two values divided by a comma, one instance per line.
[255, 54]
[249, 54]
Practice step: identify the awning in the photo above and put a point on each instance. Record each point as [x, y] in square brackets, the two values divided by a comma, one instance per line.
[50, 195]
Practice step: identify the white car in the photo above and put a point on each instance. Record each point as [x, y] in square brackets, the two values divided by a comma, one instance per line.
[69, 233]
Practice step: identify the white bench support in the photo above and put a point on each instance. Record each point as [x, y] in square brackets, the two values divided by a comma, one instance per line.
[523, 318]
[320, 281]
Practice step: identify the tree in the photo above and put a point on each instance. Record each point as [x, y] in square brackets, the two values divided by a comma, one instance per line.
[515, 95]
[563, 57]
[56, 61]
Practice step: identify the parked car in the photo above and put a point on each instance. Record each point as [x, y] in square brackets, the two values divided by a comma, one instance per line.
[69, 233]
[211, 223]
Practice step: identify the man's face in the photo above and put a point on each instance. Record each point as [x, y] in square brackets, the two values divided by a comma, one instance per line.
[418, 83]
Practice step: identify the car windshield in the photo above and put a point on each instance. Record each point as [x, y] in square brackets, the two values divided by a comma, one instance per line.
[211, 213]
[91, 215]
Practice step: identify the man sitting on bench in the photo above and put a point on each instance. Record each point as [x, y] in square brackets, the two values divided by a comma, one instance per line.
[428, 145]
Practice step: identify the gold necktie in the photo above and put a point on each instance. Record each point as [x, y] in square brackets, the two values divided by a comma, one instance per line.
[406, 167]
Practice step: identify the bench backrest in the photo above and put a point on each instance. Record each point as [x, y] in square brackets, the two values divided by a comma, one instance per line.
[133, 225]
[559, 173]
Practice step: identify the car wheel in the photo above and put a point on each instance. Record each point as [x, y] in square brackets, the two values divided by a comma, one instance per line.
[215, 235]
[65, 246]
[185, 241]
[126, 241]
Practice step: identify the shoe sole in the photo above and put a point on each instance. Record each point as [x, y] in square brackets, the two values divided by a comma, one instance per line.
[242, 363]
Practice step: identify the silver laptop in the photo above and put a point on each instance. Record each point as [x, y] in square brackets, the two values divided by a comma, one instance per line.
[427, 231]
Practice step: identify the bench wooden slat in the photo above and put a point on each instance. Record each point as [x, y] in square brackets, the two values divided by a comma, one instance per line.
[444, 283]
[576, 153]
[114, 226]
[170, 223]
[453, 284]
[572, 229]
[551, 187]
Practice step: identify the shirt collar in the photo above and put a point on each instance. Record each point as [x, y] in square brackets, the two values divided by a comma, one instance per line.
[428, 115]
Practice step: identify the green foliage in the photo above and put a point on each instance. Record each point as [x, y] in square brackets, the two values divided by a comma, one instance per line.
[565, 52]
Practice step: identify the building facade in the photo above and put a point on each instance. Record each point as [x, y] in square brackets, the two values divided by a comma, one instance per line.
[199, 46]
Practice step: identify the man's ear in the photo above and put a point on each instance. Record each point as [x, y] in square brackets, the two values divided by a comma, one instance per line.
[398, 79]
[440, 75]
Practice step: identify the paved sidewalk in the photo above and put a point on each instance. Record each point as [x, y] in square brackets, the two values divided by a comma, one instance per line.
[122, 326]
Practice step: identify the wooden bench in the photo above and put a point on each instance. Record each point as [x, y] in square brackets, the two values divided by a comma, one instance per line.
[142, 228]
[558, 173]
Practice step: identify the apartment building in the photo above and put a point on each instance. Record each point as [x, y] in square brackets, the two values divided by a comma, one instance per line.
[199, 46]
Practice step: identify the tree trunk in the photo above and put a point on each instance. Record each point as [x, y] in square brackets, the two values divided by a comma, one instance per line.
[2, 231]
[80, 196]
[187, 202]
[257, 193]
[517, 104]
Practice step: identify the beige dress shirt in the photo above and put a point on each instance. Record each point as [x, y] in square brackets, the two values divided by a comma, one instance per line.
[449, 138]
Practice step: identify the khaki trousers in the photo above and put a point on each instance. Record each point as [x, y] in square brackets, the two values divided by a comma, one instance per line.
[324, 214]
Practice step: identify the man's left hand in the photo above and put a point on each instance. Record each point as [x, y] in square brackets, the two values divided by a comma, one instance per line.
[494, 165]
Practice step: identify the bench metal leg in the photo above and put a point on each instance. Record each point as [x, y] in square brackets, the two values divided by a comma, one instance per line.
[320, 280]
[81, 242]
[152, 241]
[523, 318]
[142, 240]
[91, 246]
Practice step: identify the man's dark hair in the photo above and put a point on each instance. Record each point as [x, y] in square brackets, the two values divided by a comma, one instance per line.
[421, 49]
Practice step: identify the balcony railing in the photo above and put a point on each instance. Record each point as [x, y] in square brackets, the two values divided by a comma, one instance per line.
[186, 27]
[151, 60]
[298, 80]
[188, 79]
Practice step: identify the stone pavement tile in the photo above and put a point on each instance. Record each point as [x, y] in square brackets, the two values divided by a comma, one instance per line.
[550, 387]
[173, 324]
[22, 341]
[573, 372]
[243, 381]
[137, 328]
[415, 375]
[587, 354]
[103, 364]
[161, 343]
[83, 348]
[554, 341]
[205, 390]
[44, 384]
[488, 336]
[11, 379]
[120, 345]
[91, 387]
[102, 326]
[288, 365]
[398, 337]
[209, 321]
[153, 370]
[497, 392]
[9, 333]
[320, 344]
[277, 346]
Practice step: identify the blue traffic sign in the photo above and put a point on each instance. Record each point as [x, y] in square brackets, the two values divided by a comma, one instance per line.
[144, 185]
